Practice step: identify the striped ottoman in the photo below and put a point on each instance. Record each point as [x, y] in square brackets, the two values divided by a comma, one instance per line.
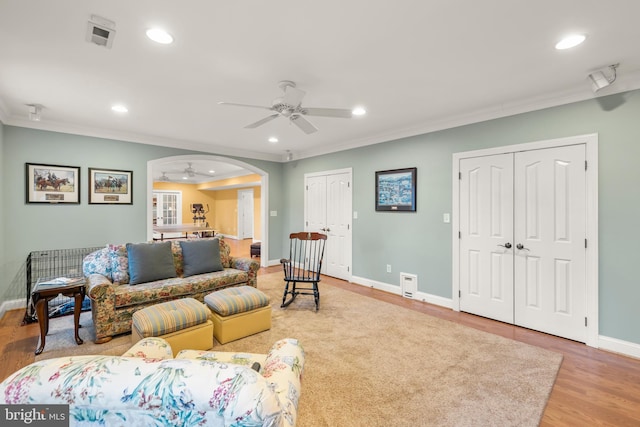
[184, 323]
[238, 312]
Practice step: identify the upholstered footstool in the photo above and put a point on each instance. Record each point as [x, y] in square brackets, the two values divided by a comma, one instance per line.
[238, 312]
[255, 249]
[184, 323]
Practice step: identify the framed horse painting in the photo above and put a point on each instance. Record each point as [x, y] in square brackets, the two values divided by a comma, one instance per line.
[52, 183]
[110, 187]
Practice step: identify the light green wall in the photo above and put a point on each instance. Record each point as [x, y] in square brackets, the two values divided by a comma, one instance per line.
[420, 242]
[33, 227]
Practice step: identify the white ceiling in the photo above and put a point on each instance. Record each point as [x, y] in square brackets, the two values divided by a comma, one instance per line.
[415, 65]
[195, 171]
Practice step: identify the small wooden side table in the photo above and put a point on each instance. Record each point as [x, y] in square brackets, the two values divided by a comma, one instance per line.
[41, 296]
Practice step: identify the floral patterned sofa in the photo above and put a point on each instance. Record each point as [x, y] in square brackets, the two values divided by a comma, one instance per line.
[114, 299]
[146, 386]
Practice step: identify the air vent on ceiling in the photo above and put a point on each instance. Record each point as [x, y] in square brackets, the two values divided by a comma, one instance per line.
[101, 31]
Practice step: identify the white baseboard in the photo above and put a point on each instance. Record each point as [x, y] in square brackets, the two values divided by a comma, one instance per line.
[434, 299]
[227, 236]
[420, 296]
[12, 305]
[615, 345]
[363, 281]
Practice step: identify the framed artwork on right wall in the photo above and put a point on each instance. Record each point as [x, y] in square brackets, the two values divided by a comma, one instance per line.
[396, 190]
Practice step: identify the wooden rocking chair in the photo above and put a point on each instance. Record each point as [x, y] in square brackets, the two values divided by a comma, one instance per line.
[303, 266]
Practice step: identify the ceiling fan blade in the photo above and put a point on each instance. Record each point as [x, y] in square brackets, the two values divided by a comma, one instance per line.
[328, 112]
[304, 124]
[261, 122]
[293, 96]
[234, 104]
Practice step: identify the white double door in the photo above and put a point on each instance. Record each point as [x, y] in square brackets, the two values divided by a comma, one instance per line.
[522, 239]
[328, 201]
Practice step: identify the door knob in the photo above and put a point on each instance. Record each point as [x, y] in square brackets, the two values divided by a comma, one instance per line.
[506, 245]
[521, 247]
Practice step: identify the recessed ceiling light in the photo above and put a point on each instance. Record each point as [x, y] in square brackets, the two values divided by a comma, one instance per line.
[184, 177]
[273, 139]
[570, 41]
[358, 111]
[212, 171]
[119, 108]
[159, 35]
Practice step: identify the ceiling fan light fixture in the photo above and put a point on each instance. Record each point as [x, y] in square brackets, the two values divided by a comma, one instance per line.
[290, 107]
[570, 41]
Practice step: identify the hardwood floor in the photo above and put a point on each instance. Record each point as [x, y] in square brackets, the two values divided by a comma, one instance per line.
[593, 388]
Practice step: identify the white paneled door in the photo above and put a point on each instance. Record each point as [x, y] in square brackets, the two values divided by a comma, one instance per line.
[550, 206]
[245, 214]
[486, 224]
[522, 239]
[328, 201]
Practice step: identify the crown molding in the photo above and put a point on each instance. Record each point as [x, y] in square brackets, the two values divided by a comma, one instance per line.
[140, 138]
[624, 83]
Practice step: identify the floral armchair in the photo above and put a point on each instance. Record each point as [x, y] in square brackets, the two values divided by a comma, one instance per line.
[146, 386]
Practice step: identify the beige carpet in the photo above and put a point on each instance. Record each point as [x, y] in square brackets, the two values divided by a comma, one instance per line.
[371, 363]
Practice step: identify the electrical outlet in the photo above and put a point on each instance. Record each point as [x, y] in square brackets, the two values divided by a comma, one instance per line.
[388, 268]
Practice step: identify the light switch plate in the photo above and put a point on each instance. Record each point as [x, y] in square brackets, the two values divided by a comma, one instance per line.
[446, 218]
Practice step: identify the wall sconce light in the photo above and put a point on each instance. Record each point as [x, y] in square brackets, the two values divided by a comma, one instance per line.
[35, 112]
[603, 77]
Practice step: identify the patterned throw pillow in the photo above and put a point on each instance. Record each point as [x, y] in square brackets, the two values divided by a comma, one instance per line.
[178, 258]
[119, 264]
[225, 253]
[98, 262]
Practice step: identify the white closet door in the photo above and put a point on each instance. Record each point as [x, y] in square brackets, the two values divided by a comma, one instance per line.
[316, 204]
[328, 201]
[486, 240]
[338, 229]
[550, 224]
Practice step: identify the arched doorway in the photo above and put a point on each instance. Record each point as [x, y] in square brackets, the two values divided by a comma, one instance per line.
[264, 183]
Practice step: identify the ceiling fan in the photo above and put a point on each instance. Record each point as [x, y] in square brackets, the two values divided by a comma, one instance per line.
[188, 172]
[164, 177]
[191, 172]
[290, 106]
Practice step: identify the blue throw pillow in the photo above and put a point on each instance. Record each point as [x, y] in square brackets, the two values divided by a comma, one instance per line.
[149, 262]
[200, 256]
